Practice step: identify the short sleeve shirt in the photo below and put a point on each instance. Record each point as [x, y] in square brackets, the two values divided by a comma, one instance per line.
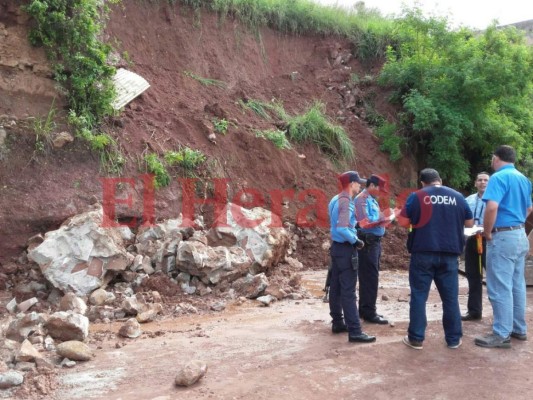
[512, 191]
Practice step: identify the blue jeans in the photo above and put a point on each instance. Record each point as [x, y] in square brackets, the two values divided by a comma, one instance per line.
[506, 285]
[442, 268]
[342, 299]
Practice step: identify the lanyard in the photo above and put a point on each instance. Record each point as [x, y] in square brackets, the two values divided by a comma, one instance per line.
[478, 218]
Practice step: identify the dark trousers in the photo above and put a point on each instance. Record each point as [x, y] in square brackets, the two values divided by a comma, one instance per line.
[342, 299]
[473, 275]
[369, 258]
[442, 268]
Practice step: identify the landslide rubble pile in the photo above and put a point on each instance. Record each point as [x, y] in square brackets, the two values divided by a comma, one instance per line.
[84, 272]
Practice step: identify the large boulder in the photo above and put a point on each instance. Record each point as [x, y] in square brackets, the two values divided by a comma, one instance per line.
[76, 256]
[212, 264]
[256, 230]
[74, 350]
[68, 326]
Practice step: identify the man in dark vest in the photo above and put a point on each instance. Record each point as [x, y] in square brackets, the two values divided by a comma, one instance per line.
[436, 216]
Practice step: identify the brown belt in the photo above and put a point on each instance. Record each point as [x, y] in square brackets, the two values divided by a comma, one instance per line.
[508, 228]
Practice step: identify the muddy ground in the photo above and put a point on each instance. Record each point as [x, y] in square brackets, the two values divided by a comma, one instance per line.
[287, 351]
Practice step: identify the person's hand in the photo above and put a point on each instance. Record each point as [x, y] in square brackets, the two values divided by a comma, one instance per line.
[359, 244]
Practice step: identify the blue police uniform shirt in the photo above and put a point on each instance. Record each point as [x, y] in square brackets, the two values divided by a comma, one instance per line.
[342, 219]
[477, 206]
[366, 206]
[512, 191]
[438, 214]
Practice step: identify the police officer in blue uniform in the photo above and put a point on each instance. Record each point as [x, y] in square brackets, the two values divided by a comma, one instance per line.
[342, 299]
[372, 223]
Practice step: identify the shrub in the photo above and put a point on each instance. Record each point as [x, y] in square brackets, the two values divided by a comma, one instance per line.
[275, 136]
[392, 143]
[314, 127]
[220, 125]
[156, 167]
[186, 158]
[258, 107]
[70, 31]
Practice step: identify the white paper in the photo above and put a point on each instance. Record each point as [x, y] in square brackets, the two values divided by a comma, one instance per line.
[472, 231]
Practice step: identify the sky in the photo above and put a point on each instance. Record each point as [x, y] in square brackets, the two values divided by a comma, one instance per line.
[476, 14]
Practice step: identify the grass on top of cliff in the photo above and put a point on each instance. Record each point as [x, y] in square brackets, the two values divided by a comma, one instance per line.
[370, 31]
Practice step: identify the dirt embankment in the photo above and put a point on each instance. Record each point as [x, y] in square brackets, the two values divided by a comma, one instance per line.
[161, 42]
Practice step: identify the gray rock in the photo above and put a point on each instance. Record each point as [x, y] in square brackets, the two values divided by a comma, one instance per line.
[191, 373]
[71, 302]
[20, 328]
[258, 231]
[100, 297]
[76, 256]
[212, 264]
[218, 306]
[68, 326]
[49, 344]
[66, 363]
[27, 352]
[251, 286]
[137, 263]
[147, 265]
[27, 304]
[74, 350]
[131, 329]
[11, 378]
[131, 306]
[61, 139]
[12, 306]
[266, 300]
[150, 314]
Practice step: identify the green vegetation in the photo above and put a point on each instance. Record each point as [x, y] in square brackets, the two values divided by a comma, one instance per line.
[462, 94]
[43, 128]
[276, 136]
[392, 143]
[369, 31]
[155, 166]
[186, 158]
[258, 107]
[70, 31]
[220, 125]
[313, 126]
[205, 81]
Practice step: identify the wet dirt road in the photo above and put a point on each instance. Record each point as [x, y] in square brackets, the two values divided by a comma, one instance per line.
[287, 351]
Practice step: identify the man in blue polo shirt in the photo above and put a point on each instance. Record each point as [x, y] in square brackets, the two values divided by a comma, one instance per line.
[508, 203]
[437, 216]
[342, 299]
